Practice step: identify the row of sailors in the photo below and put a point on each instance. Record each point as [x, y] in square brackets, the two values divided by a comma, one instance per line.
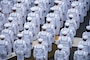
[83, 52]
[48, 36]
[40, 14]
[21, 48]
[11, 29]
[39, 49]
[67, 39]
[22, 7]
[56, 13]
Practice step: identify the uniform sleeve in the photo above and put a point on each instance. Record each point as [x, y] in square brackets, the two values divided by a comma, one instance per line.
[68, 12]
[44, 51]
[65, 55]
[49, 38]
[8, 48]
[40, 12]
[64, 8]
[10, 5]
[23, 10]
[34, 29]
[38, 36]
[14, 28]
[47, 15]
[75, 56]
[12, 36]
[89, 47]
[19, 18]
[55, 54]
[61, 31]
[3, 18]
[77, 12]
[85, 56]
[71, 32]
[28, 14]
[37, 20]
[75, 24]
[70, 42]
[84, 34]
[53, 29]
[34, 51]
[31, 36]
[81, 8]
[80, 43]
[24, 45]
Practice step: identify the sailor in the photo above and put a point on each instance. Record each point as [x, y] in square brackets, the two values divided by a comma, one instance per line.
[16, 18]
[72, 22]
[40, 51]
[66, 42]
[71, 32]
[31, 26]
[4, 48]
[80, 54]
[6, 8]
[55, 14]
[56, 21]
[85, 43]
[46, 38]
[13, 26]
[35, 18]
[60, 54]
[50, 28]
[28, 38]
[19, 47]
[63, 7]
[75, 14]
[9, 35]
[80, 9]
[2, 19]
[21, 9]
[87, 33]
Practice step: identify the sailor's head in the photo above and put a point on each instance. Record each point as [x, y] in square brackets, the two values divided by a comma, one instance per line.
[85, 38]
[73, 6]
[29, 19]
[36, 3]
[7, 25]
[19, 36]
[51, 10]
[40, 41]
[2, 37]
[10, 19]
[56, 3]
[19, 1]
[77, 0]
[88, 28]
[70, 17]
[14, 9]
[80, 47]
[64, 33]
[48, 20]
[26, 27]
[60, 47]
[0, 9]
[43, 28]
[67, 25]
[32, 9]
